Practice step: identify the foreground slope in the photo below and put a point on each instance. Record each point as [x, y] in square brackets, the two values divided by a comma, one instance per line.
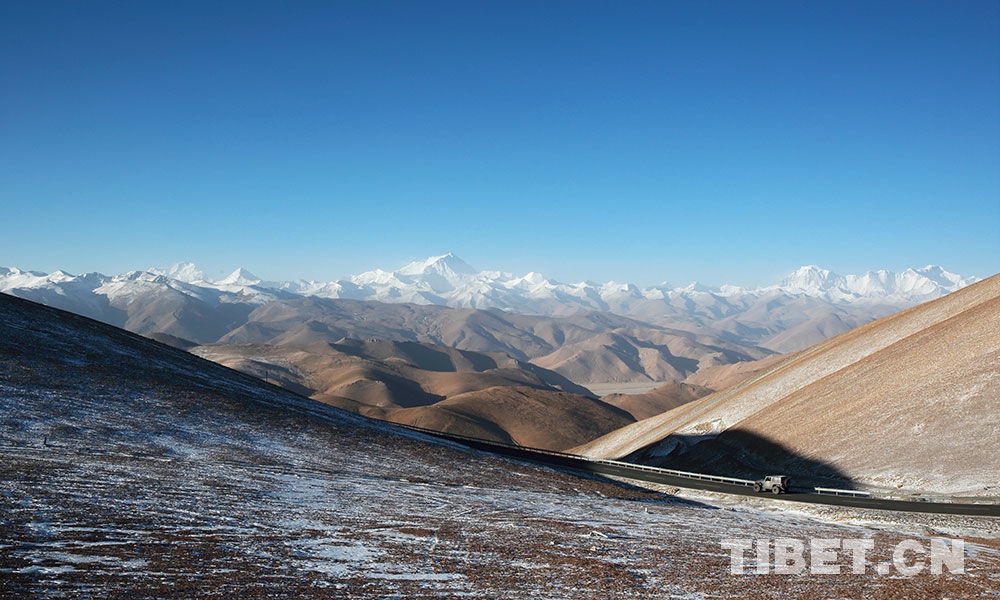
[911, 400]
[132, 470]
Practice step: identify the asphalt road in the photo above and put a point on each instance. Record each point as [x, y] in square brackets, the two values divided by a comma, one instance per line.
[617, 469]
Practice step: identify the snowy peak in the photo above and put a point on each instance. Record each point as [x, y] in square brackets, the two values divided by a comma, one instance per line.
[240, 277]
[183, 271]
[420, 281]
[912, 285]
[809, 279]
[531, 279]
[448, 280]
[944, 278]
[143, 276]
[377, 277]
[60, 276]
[613, 289]
[447, 265]
[695, 287]
[12, 278]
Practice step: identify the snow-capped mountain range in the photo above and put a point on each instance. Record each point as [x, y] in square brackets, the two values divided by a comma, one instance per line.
[807, 306]
[449, 281]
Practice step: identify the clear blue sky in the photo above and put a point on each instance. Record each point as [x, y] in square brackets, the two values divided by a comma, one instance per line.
[640, 141]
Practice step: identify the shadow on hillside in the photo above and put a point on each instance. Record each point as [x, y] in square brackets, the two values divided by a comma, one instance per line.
[743, 454]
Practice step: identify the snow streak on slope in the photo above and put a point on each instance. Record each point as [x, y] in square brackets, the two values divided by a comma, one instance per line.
[130, 470]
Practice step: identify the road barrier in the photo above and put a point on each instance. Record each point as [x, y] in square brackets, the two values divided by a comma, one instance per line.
[837, 492]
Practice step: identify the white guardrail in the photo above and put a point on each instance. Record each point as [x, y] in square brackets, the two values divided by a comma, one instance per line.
[836, 492]
[685, 474]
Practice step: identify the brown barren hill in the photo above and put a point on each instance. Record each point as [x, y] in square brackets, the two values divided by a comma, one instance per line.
[669, 395]
[436, 387]
[631, 355]
[383, 373]
[909, 401]
[720, 377]
[586, 348]
[528, 417]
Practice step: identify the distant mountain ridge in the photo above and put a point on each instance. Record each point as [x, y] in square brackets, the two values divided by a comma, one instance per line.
[447, 280]
[807, 306]
[912, 284]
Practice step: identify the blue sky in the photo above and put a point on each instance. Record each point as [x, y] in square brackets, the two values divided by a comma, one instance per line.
[641, 141]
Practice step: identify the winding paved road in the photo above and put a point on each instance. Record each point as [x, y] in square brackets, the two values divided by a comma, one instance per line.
[727, 485]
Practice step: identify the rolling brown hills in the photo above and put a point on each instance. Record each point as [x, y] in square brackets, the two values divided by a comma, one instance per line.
[485, 395]
[669, 395]
[586, 348]
[909, 401]
[520, 415]
[675, 393]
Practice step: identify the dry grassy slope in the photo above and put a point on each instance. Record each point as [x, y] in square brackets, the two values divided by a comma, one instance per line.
[911, 399]
[876, 419]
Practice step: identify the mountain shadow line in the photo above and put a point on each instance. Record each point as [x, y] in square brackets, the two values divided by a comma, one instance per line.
[743, 454]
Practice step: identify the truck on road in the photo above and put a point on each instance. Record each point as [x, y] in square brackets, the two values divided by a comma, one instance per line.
[776, 484]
